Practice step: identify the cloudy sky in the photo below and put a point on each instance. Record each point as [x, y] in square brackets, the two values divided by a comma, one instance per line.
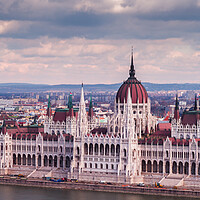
[70, 41]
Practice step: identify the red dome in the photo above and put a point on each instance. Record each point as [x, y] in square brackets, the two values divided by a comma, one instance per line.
[137, 90]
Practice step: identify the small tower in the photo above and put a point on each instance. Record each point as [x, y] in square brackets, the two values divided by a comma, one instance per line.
[196, 104]
[49, 112]
[176, 110]
[91, 112]
[70, 106]
[82, 116]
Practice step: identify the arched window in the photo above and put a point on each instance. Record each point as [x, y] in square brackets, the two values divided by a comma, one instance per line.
[39, 161]
[155, 166]
[61, 161]
[167, 167]
[180, 168]
[124, 152]
[101, 149]
[143, 166]
[29, 159]
[193, 169]
[96, 149]
[149, 167]
[112, 150]
[107, 150]
[55, 161]
[45, 161]
[68, 162]
[186, 168]
[117, 150]
[174, 168]
[161, 167]
[86, 149]
[14, 159]
[77, 151]
[50, 161]
[91, 149]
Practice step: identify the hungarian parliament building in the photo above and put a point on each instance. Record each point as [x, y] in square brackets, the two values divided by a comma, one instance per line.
[132, 147]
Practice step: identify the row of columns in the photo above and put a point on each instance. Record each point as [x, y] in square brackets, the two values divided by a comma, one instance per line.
[41, 161]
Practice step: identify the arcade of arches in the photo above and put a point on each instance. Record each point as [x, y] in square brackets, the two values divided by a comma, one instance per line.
[46, 161]
[175, 168]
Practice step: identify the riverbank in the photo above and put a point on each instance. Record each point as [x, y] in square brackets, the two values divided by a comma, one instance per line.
[101, 187]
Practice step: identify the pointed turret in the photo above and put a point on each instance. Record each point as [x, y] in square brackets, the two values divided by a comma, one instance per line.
[132, 68]
[70, 106]
[49, 107]
[91, 112]
[82, 101]
[176, 110]
[82, 115]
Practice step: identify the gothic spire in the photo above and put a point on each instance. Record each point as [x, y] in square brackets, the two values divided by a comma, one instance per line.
[132, 68]
[82, 101]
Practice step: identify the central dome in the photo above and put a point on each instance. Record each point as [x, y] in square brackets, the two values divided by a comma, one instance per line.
[137, 90]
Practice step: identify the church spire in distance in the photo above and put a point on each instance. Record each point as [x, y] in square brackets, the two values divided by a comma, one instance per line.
[132, 68]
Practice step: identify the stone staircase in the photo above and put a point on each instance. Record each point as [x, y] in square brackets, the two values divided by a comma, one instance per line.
[60, 173]
[172, 180]
[41, 172]
[25, 170]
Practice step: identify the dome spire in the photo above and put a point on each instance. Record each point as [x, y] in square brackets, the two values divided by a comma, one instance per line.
[132, 68]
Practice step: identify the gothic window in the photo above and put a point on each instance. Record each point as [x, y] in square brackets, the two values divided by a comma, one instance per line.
[107, 150]
[116, 129]
[117, 150]
[193, 155]
[96, 149]
[91, 149]
[112, 150]
[124, 152]
[101, 149]
[77, 150]
[86, 149]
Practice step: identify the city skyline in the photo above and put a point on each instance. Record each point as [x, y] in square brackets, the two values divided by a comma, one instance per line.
[56, 41]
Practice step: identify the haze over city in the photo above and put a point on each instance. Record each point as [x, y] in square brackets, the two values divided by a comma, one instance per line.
[59, 41]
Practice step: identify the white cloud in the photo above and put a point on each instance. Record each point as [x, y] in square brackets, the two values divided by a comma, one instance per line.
[45, 59]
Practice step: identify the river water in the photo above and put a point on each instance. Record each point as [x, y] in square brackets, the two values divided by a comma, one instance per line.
[28, 193]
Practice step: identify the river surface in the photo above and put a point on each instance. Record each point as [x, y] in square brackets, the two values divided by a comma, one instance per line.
[28, 193]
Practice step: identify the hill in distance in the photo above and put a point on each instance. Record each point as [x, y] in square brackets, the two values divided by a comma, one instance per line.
[27, 87]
